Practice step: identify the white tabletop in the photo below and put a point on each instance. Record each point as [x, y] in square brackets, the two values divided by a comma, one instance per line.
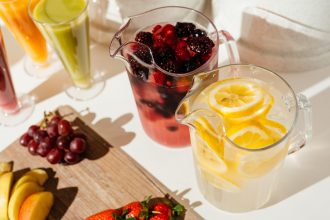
[303, 191]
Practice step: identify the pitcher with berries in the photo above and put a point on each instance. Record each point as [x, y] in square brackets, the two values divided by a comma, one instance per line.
[163, 49]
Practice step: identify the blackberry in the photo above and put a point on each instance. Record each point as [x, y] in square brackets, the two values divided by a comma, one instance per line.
[163, 53]
[144, 38]
[169, 65]
[184, 29]
[144, 54]
[137, 69]
[200, 45]
[199, 33]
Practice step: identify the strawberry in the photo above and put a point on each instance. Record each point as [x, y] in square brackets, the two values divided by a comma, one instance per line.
[135, 210]
[161, 208]
[160, 217]
[110, 214]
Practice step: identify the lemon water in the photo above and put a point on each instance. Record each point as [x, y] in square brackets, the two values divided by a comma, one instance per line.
[237, 154]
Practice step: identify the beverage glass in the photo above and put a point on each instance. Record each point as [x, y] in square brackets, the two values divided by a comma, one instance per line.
[13, 110]
[238, 151]
[14, 14]
[156, 101]
[65, 25]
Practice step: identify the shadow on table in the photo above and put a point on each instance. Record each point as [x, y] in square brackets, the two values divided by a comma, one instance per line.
[102, 65]
[63, 197]
[312, 164]
[286, 46]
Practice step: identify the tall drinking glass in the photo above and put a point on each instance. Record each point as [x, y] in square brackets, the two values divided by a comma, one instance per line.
[13, 110]
[65, 25]
[14, 14]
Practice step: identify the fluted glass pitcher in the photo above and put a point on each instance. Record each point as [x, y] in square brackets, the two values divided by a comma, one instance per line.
[162, 50]
[243, 121]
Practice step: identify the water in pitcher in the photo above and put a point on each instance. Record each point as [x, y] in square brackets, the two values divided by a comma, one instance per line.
[237, 159]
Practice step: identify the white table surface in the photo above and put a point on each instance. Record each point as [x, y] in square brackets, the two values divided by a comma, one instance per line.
[303, 191]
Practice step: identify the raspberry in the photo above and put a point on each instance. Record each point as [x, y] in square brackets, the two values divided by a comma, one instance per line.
[144, 38]
[184, 29]
[158, 78]
[156, 28]
[200, 45]
[181, 50]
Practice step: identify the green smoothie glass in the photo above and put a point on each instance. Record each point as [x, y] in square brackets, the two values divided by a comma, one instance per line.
[65, 25]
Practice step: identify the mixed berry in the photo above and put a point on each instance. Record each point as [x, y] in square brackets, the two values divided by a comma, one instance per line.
[174, 48]
[179, 49]
[56, 140]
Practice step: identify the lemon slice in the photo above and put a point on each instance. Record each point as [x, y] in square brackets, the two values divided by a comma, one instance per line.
[208, 134]
[258, 135]
[236, 97]
[220, 182]
[266, 105]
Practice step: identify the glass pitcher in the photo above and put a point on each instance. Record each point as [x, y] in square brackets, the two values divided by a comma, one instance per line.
[157, 89]
[243, 121]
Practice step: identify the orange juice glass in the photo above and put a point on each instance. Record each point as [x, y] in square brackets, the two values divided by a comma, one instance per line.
[14, 14]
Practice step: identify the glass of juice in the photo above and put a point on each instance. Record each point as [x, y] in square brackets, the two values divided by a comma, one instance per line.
[65, 25]
[14, 14]
[13, 110]
[163, 49]
[243, 123]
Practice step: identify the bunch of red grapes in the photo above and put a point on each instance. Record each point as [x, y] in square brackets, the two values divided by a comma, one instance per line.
[56, 140]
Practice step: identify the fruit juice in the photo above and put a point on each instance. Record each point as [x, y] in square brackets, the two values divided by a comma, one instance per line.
[15, 15]
[237, 156]
[66, 26]
[8, 100]
[158, 91]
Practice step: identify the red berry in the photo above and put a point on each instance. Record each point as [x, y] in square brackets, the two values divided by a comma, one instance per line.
[109, 214]
[156, 28]
[133, 210]
[161, 208]
[159, 217]
[181, 51]
[158, 78]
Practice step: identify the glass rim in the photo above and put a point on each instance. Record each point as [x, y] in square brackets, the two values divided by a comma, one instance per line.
[59, 23]
[177, 75]
[284, 137]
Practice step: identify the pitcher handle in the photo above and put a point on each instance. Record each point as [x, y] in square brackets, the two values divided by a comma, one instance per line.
[302, 133]
[228, 41]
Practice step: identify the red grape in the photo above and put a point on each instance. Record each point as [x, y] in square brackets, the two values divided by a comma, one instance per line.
[32, 130]
[40, 135]
[55, 120]
[46, 143]
[71, 158]
[25, 139]
[42, 151]
[55, 156]
[78, 145]
[64, 127]
[32, 147]
[63, 142]
[52, 130]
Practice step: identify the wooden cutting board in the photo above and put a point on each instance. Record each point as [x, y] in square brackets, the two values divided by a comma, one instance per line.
[107, 178]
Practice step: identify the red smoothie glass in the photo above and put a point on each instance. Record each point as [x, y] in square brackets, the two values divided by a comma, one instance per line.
[162, 50]
[12, 109]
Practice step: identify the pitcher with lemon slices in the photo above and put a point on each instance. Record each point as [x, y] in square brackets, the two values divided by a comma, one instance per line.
[243, 123]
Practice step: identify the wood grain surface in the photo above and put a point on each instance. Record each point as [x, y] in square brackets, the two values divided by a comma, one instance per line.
[106, 178]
